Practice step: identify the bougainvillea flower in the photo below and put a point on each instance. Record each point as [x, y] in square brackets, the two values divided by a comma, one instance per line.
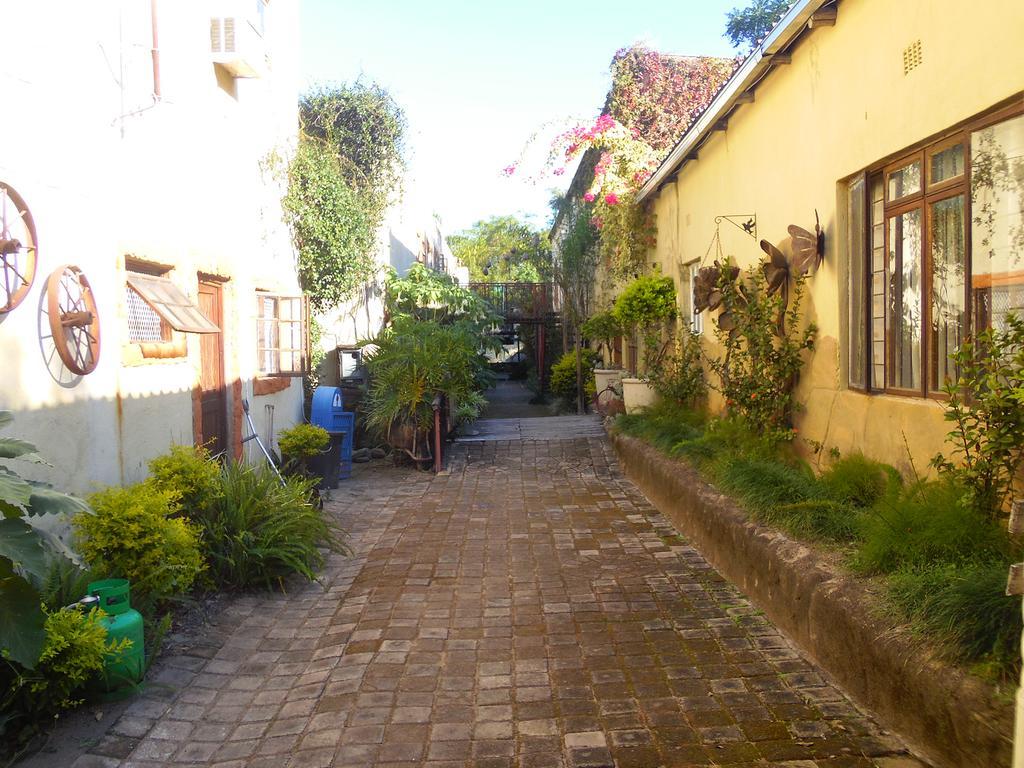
[508, 170]
[589, 197]
[611, 199]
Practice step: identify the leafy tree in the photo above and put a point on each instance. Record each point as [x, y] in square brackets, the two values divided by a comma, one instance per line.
[333, 229]
[365, 127]
[574, 264]
[752, 24]
[503, 249]
[346, 171]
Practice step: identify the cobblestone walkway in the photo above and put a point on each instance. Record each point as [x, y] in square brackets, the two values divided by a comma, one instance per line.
[529, 609]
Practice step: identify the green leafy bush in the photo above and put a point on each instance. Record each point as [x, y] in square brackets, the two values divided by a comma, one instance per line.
[72, 656]
[188, 474]
[647, 305]
[562, 382]
[679, 377]
[764, 342]
[257, 531]
[928, 525]
[664, 425]
[132, 536]
[858, 480]
[965, 607]
[27, 548]
[986, 404]
[303, 441]
[602, 327]
[411, 362]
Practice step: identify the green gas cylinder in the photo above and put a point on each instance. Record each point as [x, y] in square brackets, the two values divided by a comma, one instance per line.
[121, 620]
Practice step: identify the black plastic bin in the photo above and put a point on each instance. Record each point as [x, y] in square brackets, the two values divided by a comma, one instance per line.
[327, 465]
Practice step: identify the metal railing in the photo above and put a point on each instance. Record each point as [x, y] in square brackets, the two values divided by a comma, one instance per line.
[520, 302]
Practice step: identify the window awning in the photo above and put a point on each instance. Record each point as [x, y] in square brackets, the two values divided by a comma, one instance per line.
[167, 300]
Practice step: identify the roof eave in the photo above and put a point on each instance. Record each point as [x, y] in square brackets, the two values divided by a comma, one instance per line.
[750, 72]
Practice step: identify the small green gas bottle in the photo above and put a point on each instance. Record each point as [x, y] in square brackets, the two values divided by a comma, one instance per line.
[121, 620]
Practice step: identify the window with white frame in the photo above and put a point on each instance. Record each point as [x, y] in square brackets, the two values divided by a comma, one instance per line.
[282, 339]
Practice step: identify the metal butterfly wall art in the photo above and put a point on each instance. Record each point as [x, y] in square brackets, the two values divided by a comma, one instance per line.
[808, 249]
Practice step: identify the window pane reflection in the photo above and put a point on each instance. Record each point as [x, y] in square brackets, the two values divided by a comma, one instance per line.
[947, 234]
[905, 181]
[947, 164]
[904, 317]
[997, 222]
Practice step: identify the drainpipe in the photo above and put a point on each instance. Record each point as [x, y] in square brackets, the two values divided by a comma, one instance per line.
[156, 51]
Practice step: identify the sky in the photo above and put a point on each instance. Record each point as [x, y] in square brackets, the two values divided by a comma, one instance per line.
[478, 79]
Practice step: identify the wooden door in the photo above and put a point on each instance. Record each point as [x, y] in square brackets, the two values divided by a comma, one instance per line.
[213, 394]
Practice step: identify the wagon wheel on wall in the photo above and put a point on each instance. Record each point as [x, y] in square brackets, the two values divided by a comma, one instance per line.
[17, 249]
[74, 320]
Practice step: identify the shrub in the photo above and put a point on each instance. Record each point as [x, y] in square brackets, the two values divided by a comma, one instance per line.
[257, 531]
[927, 525]
[27, 549]
[680, 376]
[765, 484]
[761, 334]
[303, 441]
[966, 608]
[73, 655]
[188, 474]
[132, 536]
[563, 375]
[860, 481]
[664, 425]
[601, 327]
[411, 362]
[647, 305]
[987, 405]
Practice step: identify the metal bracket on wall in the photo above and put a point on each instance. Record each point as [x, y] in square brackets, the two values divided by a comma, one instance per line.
[745, 221]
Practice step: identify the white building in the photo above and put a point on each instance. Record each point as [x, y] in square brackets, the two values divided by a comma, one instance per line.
[138, 133]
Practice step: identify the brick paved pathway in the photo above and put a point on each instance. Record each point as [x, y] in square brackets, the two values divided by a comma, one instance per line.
[529, 609]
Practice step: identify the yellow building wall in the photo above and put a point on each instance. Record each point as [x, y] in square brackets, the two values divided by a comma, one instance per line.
[843, 104]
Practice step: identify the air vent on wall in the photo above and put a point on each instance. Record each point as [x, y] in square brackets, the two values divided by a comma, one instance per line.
[911, 57]
[222, 35]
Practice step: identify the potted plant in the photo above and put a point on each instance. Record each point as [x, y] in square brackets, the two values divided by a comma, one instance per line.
[306, 451]
[603, 328]
[646, 307]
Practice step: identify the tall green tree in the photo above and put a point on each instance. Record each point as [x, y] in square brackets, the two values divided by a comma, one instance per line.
[750, 25]
[503, 249]
[575, 262]
[347, 170]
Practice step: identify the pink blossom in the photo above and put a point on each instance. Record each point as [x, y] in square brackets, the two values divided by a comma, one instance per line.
[611, 199]
[558, 171]
[589, 197]
[508, 170]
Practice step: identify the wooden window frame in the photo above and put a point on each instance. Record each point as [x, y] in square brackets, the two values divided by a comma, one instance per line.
[929, 194]
[303, 351]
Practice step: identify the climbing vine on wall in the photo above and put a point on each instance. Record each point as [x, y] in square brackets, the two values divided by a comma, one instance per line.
[346, 170]
[654, 98]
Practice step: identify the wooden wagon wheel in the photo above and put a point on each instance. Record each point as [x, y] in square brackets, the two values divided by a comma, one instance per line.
[17, 249]
[74, 321]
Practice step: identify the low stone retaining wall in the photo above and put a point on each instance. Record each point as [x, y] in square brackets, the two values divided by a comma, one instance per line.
[952, 718]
